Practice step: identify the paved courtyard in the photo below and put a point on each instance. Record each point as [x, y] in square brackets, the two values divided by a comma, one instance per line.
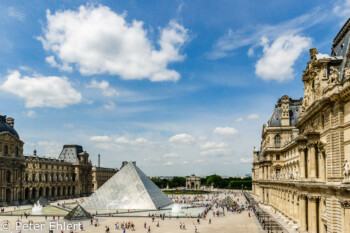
[230, 223]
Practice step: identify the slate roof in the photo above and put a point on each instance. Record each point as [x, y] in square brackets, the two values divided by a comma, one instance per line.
[294, 110]
[71, 153]
[5, 127]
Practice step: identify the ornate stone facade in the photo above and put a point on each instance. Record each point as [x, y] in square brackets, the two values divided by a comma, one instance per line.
[100, 175]
[302, 168]
[24, 178]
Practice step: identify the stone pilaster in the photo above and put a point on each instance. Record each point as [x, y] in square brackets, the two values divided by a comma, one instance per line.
[312, 214]
[302, 162]
[302, 213]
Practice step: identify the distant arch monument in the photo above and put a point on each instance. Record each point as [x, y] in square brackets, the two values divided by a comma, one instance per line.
[193, 182]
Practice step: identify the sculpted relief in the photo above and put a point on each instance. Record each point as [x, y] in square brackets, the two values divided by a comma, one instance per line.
[333, 76]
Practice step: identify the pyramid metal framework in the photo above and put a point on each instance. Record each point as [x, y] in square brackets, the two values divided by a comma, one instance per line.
[78, 213]
[128, 189]
[228, 202]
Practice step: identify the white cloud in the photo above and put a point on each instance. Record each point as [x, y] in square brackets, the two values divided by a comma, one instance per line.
[226, 131]
[121, 140]
[239, 119]
[31, 113]
[51, 149]
[199, 161]
[41, 91]
[253, 116]
[124, 140]
[182, 138]
[100, 138]
[279, 57]
[342, 9]
[246, 160]
[104, 86]
[141, 140]
[216, 151]
[109, 105]
[251, 35]
[97, 40]
[211, 145]
[16, 14]
[52, 62]
[171, 155]
[185, 162]
[168, 163]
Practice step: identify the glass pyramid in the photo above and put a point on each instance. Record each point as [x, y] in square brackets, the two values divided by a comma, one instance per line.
[128, 189]
[77, 213]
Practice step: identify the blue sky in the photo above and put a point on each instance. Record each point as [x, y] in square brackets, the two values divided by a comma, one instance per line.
[179, 86]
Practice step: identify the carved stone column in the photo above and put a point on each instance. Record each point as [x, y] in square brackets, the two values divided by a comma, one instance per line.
[302, 162]
[312, 161]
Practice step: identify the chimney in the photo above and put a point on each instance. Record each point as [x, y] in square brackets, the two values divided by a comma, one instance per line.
[10, 121]
[134, 163]
[34, 152]
[123, 164]
[99, 160]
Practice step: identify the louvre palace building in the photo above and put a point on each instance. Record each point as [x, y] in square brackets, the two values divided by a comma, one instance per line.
[25, 178]
[302, 168]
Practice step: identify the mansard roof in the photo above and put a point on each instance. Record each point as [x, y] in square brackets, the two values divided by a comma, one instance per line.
[71, 153]
[294, 110]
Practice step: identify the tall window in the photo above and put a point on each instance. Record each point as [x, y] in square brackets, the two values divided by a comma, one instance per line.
[277, 140]
[278, 157]
[6, 150]
[17, 152]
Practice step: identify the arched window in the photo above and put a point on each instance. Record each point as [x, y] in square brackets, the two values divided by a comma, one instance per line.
[8, 177]
[277, 140]
[6, 150]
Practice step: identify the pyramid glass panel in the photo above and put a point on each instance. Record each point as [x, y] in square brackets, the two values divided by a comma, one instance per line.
[78, 213]
[128, 189]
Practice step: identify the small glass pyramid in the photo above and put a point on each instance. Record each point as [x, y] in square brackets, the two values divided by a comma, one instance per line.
[78, 213]
[128, 189]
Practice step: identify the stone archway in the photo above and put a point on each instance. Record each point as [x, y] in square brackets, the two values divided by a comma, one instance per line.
[41, 191]
[26, 194]
[69, 191]
[33, 193]
[73, 190]
[59, 191]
